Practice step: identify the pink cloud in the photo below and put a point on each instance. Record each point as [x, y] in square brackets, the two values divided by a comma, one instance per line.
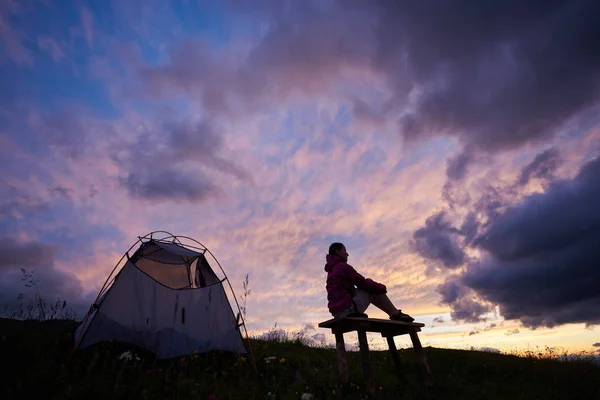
[267, 245]
[285, 245]
[254, 76]
[87, 22]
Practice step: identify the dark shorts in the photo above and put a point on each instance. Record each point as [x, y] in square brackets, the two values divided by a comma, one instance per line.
[360, 301]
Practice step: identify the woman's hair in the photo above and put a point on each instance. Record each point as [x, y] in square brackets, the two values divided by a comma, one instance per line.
[335, 247]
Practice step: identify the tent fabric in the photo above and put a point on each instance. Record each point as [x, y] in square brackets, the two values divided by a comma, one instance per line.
[174, 276]
[173, 248]
[139, 309]
[204, 273]
[169, 264]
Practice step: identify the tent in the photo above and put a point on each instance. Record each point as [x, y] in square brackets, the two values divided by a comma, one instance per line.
[166, 298]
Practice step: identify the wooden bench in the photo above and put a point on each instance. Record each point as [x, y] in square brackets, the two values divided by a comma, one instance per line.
[388, 329]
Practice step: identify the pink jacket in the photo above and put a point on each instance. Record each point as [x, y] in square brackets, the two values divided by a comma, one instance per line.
[341, 280]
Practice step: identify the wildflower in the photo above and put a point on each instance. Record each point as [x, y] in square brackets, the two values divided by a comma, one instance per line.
[128, 356]
[281, 360]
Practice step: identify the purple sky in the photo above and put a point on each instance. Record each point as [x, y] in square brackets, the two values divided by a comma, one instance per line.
[454, 149]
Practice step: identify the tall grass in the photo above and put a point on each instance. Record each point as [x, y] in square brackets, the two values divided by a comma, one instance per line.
[36, 308]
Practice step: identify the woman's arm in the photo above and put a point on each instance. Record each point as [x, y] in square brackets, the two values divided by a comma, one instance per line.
[366, 284]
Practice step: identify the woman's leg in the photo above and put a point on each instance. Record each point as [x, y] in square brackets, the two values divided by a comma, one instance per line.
[383, 302]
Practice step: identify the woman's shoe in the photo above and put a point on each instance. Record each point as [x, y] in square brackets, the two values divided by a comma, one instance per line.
[402, 317]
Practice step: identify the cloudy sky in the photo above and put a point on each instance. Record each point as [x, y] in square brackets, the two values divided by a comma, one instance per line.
[454, 147]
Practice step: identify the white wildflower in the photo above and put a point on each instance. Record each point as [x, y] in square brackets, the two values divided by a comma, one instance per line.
[128, 356]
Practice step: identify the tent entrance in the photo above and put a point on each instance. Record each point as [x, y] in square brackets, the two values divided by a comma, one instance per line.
[174, 266]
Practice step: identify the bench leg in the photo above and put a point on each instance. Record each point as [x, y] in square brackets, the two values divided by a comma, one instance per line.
[421, 358]
[364, 355]
[395, 357]
[341, 356]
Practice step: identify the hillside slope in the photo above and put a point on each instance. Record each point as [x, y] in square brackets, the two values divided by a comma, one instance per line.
[34, 356]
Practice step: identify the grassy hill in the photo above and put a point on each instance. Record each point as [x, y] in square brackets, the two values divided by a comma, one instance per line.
[34, 355]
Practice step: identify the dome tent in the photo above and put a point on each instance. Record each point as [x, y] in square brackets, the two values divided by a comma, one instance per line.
[167, 299]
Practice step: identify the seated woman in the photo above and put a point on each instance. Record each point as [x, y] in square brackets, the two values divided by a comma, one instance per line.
[349, 293]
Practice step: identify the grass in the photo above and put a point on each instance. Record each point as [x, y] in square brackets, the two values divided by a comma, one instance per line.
[34, 355]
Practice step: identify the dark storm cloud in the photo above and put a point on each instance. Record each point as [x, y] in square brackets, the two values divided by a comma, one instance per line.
[26, 255]
[165, 184]
[566, 214]
[60, 191]
[451, 290]
[541, 255]
[542, 167]
[456, 170]
[457, 165]
[492, 203]
[469, 228]
[455, 195]
[494, 74]
[464, 306]
[491, 326]
[15, 204]
[36, 258]
[438, 240]
[469, 310]
[163, 163]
